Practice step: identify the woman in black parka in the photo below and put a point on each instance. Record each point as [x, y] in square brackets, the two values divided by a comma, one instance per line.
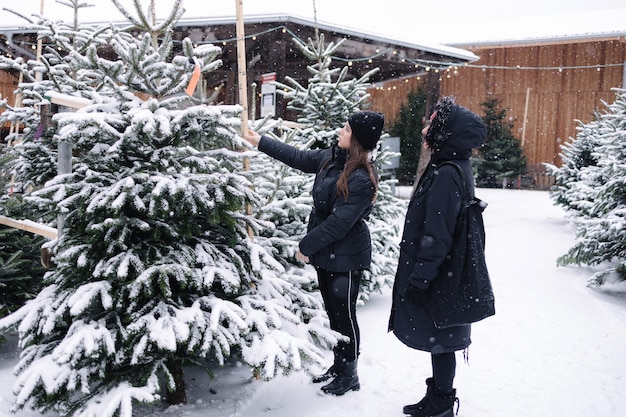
[426, 240]
[338, 242]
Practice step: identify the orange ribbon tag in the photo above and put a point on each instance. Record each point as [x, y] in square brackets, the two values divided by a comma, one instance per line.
[193, 82]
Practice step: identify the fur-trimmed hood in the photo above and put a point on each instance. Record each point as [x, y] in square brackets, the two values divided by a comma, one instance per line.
[454, 131]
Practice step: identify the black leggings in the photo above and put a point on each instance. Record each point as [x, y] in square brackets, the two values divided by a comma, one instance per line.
[444, 369]
[339, 292]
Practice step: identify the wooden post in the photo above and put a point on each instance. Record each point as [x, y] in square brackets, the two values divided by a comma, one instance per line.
[433, 86]
[15, 127]
[525, 116]
[243, 88]
[241, 67]
[64, 149]
[29, 226]
[39, 75]
[519, 177]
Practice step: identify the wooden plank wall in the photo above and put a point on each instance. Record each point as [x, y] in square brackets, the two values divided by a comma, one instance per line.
[8, 84]
[389, 96]
[557, 95]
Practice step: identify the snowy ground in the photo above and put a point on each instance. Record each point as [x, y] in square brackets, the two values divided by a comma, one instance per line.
[554, 349]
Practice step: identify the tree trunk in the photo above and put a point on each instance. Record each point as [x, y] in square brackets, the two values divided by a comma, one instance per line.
[178, 395]
[432, 96]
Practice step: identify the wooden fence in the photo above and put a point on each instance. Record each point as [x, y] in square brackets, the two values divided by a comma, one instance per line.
[545, 88]
[8, 84]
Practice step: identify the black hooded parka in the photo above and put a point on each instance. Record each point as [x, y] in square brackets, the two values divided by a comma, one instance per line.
[428, 232]
[337, 239]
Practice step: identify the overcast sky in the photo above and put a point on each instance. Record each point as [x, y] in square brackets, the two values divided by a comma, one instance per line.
[440, 21]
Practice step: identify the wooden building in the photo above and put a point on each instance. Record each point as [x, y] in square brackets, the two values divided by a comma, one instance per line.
[545, 85]
[270, 49]
[8, 83]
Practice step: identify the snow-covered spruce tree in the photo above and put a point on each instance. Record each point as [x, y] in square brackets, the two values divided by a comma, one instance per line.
[327, 100]
[575, 189]
[601, 235]
[284, 201]
[284, 198]
[21, 271]
[501, 157]
[323, 106]
[408, 127]
[154, 268]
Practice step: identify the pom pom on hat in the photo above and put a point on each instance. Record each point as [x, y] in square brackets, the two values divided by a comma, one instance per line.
[367, 127]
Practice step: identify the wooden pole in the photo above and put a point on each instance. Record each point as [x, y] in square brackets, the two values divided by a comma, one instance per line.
[15, 127]
[525, 116]
[241, 67]
[519, 177]
[433, 89]
[39, 75]
[29, 226]
[243, 88]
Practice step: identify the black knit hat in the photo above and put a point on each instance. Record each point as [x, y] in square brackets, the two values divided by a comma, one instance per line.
[367, 127]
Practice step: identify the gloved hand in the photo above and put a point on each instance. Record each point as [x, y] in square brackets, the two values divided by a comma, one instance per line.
[415, 295]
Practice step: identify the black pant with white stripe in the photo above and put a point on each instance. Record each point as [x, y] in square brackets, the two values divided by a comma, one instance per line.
[339, 292]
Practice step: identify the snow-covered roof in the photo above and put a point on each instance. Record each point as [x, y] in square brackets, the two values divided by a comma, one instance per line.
[449, 51]
[542, 40]
[411, 24]
[566, 26]
[445, 50]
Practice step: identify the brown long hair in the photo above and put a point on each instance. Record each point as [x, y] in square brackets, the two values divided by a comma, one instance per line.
[357, 156]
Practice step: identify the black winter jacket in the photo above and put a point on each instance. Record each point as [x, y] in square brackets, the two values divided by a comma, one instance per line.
[427, 236]
[337, 238]
[426, 240]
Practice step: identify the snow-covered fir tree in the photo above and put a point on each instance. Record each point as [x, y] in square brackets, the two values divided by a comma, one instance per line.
[597, 193]
[501, 158]
[408, 127]
[21, 271]
[323, 106]
[154, 269]
[329, 97]
[575, 186]
[284, 198]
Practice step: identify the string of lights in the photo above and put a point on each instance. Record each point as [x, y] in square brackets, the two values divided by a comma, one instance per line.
[427, 65]
[440, 65]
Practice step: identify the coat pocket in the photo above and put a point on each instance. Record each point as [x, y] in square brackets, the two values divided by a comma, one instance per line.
[406, 266]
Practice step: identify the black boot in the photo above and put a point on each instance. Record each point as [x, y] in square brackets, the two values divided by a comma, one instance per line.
[414, 408]
[346, 379]
[439, 404]
[330, 372]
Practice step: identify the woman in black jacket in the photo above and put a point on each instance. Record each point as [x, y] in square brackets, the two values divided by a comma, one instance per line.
[338, 242]
[426, 240]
